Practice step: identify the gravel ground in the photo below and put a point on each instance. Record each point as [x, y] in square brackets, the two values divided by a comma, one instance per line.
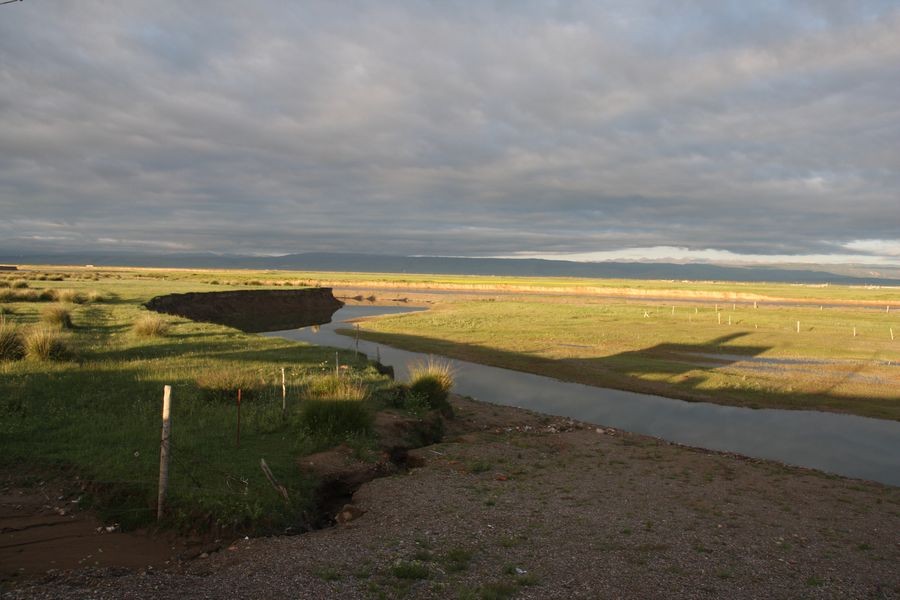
[518, 505]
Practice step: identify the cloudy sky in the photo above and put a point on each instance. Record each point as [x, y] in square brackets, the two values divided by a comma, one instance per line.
[643, 129]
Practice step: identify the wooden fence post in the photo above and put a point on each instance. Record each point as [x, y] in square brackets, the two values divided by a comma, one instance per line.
[283, 393]
[239, 418]
[164, 452]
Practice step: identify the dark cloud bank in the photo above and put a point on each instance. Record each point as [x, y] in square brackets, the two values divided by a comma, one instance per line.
[475, 129]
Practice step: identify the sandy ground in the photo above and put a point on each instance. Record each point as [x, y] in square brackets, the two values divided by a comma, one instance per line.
[515, 504]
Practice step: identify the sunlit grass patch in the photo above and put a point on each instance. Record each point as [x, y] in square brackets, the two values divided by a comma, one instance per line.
[432, 380]
[150, 325]
[58, 316]
[45, 343]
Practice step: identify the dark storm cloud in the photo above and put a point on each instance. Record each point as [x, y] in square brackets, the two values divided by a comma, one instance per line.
[451, 128]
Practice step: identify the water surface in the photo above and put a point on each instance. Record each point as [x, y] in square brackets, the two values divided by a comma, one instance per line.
[841, 444]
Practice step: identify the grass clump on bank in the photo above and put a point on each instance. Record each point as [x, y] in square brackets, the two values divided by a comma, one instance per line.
[150, 325]
[431, 380]
[334, 407]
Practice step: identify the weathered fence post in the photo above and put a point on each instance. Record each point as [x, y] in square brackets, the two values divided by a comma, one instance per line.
[164, 452]
[283, 393]
[239, 418]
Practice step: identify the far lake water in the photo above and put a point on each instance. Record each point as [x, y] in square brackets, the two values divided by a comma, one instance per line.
[842, 444]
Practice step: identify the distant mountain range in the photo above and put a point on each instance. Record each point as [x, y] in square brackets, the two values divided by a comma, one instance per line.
[368, 263]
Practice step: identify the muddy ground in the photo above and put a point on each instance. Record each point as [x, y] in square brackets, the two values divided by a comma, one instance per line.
[516, 504]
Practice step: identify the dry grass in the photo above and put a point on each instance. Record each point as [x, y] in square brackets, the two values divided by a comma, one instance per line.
[12, 345]
[434, 368]
[431, 380]
[150, 325]
[71, 296]
[44, 343]
[57, 316]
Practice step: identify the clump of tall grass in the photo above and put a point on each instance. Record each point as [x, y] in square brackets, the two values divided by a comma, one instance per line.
[12, 343]
[9, 295]
[432, 380]
[68, 295]
[334, 407]
[332, 387]
[150, 325]
[57, 316]
[94, 296]
[18, 284]
[222, 385]
[45, 343]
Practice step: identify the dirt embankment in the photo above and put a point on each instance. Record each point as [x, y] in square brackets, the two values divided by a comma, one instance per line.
[253, 310]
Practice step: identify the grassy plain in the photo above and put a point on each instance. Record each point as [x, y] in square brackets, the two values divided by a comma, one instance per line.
[734, 355]
[725, 290]
[96, 414]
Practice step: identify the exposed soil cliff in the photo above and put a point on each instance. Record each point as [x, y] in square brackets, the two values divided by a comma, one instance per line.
[253, 310]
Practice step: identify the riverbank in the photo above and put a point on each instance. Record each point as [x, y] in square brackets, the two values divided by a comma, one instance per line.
[802, 358]
[517, 504]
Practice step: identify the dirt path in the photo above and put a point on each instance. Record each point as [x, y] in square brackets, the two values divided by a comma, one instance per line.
[515, 504]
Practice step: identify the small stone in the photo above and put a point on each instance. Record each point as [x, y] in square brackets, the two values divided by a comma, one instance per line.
[349, 513]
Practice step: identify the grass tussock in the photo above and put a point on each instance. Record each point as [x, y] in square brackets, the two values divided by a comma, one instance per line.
[94, 296]
[150, 325]
[18, 284]
[71, 296]
[222, 385]
[45, 343]
[57, 316]
[334, 407]
[331, 387]
[12, 343]
[431, 380]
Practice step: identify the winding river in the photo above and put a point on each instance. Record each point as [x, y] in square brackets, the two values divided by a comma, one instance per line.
[845, 445]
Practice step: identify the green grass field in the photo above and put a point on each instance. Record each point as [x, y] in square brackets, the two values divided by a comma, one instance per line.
[97, 414]
[647, 347]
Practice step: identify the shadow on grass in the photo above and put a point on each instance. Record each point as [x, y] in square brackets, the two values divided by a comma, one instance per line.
[672, 370]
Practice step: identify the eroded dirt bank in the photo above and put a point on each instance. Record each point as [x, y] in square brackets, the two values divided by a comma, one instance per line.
[516, 504]
[253, 310]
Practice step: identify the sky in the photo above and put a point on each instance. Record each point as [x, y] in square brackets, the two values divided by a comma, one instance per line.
[715, 131]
